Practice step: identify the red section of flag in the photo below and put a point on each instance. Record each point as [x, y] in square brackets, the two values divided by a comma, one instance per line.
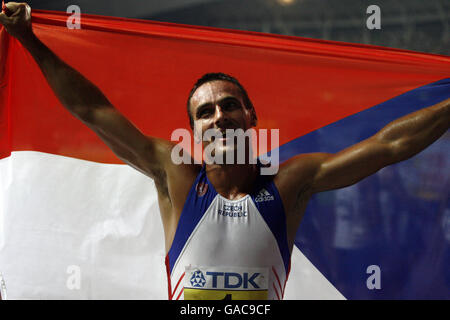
[5, 134]
[147, 69]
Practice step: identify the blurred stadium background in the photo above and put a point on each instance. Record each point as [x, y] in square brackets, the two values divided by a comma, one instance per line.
[419, 25]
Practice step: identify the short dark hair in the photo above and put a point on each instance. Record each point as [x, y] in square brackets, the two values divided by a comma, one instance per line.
[208, 77]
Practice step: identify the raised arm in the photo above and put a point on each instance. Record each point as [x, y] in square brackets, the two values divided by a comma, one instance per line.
[306, 174]
[86, 102]
[398, 141]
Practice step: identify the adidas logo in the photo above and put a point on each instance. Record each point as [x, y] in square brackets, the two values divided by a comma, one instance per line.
[264, 195]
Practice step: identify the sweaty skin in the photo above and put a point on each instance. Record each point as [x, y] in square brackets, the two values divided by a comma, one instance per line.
[219, 105]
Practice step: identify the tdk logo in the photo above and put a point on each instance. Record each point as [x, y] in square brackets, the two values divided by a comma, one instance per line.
[264, 195]
[198, 279]
[233, 280]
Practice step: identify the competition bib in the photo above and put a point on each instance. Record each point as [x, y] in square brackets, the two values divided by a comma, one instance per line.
[225, 283]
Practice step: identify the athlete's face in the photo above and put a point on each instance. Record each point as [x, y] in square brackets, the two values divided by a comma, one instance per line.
[219, 105]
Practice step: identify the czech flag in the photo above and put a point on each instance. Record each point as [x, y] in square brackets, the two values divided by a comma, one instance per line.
[77, 223]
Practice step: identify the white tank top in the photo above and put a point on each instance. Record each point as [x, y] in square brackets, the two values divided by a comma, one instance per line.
[229, 249]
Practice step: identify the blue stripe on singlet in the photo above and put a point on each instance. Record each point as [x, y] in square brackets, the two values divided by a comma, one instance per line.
[193, 210]
[274, 215]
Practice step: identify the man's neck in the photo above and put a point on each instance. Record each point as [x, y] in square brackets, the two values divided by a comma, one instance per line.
[232, 181]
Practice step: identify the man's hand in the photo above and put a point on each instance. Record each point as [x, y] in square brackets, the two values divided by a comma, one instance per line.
[16, 18]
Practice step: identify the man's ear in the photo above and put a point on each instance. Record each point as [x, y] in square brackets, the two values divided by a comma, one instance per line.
[254, 121]
[197, 133]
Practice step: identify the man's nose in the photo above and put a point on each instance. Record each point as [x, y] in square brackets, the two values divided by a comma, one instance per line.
[220, 117]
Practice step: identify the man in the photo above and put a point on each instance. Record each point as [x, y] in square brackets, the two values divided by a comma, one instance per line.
[229, 231]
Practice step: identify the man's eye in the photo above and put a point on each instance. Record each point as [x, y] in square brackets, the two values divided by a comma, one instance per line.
[204, 113]
[231, 105]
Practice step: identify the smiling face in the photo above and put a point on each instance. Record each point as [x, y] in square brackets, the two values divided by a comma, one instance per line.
[219, 105]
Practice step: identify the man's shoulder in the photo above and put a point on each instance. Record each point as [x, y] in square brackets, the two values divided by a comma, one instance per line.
[304, 163]
[297, 172]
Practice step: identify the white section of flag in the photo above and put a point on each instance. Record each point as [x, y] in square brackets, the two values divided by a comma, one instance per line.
[305, 282]
[58, 212]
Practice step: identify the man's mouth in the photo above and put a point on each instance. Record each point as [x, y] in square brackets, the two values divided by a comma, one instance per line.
[219, 138]
[220, 135]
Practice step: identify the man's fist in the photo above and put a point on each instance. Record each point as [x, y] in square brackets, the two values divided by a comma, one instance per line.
[16, 18]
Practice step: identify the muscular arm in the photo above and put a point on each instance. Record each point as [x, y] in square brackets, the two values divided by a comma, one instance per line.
[398, 141]
[302, 176]
[86, 102]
